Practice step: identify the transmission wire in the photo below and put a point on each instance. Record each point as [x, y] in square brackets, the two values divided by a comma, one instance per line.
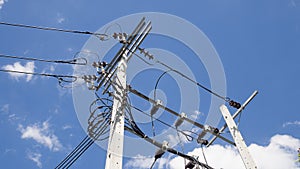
[227, 99]
[59, 77]
[189, 137]
[73, 61]
[54, 29]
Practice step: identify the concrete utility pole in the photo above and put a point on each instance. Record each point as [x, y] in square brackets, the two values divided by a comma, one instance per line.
[116, 136]
[114, 155]
[238, 139]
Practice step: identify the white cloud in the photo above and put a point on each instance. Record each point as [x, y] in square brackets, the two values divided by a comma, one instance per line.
[2, 3]
[59, 18]
[65, 127]
[29, 67]
[143, 162]
[139, 162]
[280, 153]
[41, 134]
[196, 114]
[10, 151]
[5, 108]
[52, 68]
[35, 157]
[296, 123]
[70, 49]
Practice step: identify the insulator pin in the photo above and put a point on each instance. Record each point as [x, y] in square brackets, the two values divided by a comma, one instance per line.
[234, 104]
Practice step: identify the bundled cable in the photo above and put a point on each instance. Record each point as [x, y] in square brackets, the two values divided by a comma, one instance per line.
[99, 119]
[98, 126]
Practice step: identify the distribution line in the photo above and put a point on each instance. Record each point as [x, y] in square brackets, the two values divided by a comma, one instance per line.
[58, 77]
[151, 57]
[54, 29]
[177, 114]
[137, 131]
[134, 129]
[166, 124]
[73, 61]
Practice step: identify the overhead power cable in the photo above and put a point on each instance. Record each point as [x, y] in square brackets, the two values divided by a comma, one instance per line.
[81, 147]
[151, 57]
[101, 35]
[97, 131]
[137, 131]
[73, 61]
[189, 137]
[214, 132]
[59, 77]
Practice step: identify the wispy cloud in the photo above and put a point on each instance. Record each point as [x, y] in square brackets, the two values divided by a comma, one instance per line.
[42, 135]
[294, 3]
[36, 158]
[10, 151]
[28, 67]
[139, 162]
[296, 123]
[65, 127]
[2, 3]
[59, 18]
[5, 108]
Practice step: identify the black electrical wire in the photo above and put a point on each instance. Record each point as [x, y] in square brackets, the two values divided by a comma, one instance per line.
[154, 98]
[55, 29]
[59, 77]
[157, 81]
[203, 154]
[136, 130]
[73, 61]
[180, 143]
[76, 153]
[227, 99]
[189, 137]
[81, 148]
[195, 82]
[69, 156]
[152, 125]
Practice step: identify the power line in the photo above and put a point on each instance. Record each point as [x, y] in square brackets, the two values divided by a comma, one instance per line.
[101, 35]
[151, 57]
[59, 77]
[137, 131]
[73, 61]
[189, 137]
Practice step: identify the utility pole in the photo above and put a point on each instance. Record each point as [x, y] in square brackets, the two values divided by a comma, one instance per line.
[114, 156]
[238, 139]
[116, 136]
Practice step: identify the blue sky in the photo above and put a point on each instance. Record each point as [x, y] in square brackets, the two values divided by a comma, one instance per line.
[258, 43]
